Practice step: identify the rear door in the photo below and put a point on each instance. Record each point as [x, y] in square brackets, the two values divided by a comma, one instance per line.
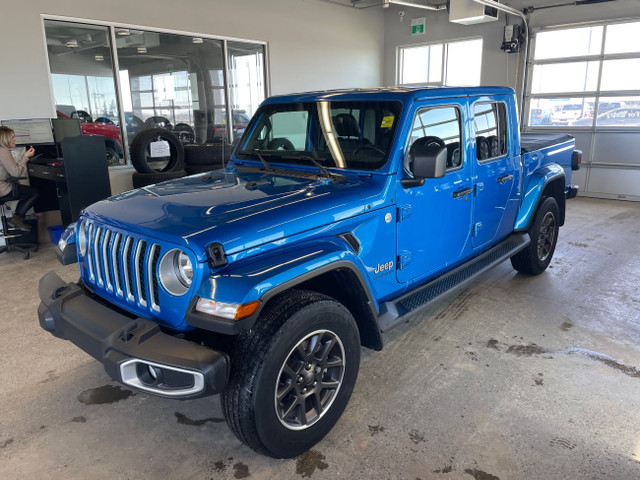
[494, 177]
[434, 218]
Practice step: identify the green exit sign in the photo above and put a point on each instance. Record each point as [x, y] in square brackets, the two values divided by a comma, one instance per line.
[417, 26]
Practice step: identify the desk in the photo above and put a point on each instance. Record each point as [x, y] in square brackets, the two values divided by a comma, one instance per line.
[81, 179]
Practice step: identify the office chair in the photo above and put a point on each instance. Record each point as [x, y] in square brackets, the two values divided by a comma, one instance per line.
[12, 235]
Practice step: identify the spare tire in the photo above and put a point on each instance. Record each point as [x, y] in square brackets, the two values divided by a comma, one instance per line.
[144, 179]
[141, 152]
[206, 154]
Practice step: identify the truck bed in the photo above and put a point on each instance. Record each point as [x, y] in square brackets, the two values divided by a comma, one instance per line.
[537, 141]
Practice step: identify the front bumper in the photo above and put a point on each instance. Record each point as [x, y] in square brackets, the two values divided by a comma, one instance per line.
[134, 351]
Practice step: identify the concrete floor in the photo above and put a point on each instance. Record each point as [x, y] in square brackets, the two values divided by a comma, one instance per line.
[514, 378]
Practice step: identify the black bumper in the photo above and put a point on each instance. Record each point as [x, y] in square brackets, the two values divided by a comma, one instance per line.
[572, 192]
[128, 347]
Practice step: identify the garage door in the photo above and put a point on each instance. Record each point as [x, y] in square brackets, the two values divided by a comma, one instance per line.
[585, 81]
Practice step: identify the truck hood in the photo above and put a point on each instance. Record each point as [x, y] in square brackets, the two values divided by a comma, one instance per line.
[240, 209]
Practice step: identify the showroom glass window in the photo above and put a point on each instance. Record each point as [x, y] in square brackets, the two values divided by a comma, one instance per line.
[178, 82]
[452, 64]
[592, 81]
[82, 79]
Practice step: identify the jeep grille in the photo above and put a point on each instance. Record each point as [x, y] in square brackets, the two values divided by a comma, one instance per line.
[122, 265]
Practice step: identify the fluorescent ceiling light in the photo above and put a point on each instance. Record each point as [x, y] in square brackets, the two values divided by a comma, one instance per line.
[72, 43]
[142, 49]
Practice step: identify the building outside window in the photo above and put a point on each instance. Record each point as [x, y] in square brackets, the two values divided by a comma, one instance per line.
[455, 63]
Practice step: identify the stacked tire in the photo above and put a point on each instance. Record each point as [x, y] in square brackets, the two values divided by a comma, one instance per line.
[153, 169]
[205, 157]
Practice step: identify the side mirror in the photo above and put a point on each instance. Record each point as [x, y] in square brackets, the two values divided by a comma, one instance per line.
[429, 160]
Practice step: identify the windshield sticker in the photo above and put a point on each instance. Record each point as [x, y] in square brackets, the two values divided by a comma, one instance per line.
[387, 122]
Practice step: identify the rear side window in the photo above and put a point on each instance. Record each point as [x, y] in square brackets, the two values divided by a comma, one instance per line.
[442, 126]
[490, 122]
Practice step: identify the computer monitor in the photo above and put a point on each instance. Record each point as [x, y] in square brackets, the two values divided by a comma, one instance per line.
[31, 131]
[65, 127]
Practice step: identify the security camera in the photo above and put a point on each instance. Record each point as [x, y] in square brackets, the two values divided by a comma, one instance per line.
[401, 13]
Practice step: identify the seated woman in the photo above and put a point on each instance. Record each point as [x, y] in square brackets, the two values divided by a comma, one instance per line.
[9, 167]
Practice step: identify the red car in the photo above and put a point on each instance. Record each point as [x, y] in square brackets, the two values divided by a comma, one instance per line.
[102, 126]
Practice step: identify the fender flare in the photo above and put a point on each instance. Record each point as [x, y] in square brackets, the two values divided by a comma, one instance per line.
[264, 276]
[533, 194]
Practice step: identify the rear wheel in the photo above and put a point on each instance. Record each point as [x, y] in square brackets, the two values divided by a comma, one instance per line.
[544, 235]
[292, 374]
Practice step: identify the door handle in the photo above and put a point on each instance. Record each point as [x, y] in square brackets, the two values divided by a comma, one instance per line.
[462, 193]
[505, 178]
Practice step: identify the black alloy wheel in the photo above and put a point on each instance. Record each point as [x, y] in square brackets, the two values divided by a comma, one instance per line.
[309, 380]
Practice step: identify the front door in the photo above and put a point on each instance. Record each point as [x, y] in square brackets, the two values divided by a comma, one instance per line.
[434, 219]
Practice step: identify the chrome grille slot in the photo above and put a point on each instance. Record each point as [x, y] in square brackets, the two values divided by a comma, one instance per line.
[105, 260]
[126, 259]
[152, 282]
[117, 263]
[139, 271]
[125, 266]
[89, 254]
[96, 255]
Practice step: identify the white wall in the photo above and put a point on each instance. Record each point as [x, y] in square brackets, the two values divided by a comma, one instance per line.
[312, 44]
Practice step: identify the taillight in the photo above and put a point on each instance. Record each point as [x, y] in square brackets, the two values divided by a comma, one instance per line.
[576, 160]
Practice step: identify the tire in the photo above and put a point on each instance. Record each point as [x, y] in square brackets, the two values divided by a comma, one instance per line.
[206, 154]
[157, 121]
[145, 179]
[269, 359]
[193, 169]
[140, 152]
[185, 133]
[112, 156]
[534, 259]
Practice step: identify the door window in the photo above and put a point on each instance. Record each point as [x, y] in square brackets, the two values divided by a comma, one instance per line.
[491, 129]
[443, 126]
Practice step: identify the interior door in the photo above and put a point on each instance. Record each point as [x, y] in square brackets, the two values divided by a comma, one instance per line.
[434, 219]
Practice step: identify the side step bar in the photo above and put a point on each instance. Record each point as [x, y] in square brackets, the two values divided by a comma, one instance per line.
[392, 312]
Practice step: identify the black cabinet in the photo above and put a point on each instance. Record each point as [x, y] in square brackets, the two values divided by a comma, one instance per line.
[80, 179]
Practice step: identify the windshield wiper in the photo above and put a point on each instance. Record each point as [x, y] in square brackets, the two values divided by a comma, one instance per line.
[267, 167]
[325, 173]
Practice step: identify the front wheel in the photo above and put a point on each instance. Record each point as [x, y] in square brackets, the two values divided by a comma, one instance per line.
[292, 374]
[536, 257]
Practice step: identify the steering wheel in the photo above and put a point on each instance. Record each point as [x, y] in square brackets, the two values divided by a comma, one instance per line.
[430, 140]
[280, 143]
[371, 147]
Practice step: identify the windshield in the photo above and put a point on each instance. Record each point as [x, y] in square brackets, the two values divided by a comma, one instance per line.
[344, 135]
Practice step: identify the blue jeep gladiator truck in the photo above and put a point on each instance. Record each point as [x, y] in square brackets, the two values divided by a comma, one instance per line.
[339, 213]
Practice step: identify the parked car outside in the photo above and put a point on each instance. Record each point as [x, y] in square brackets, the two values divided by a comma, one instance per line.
[539, 116]
[567, 114]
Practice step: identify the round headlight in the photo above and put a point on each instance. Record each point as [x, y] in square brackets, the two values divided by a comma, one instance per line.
[176, 272]
[82, 237]
[184, 269]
